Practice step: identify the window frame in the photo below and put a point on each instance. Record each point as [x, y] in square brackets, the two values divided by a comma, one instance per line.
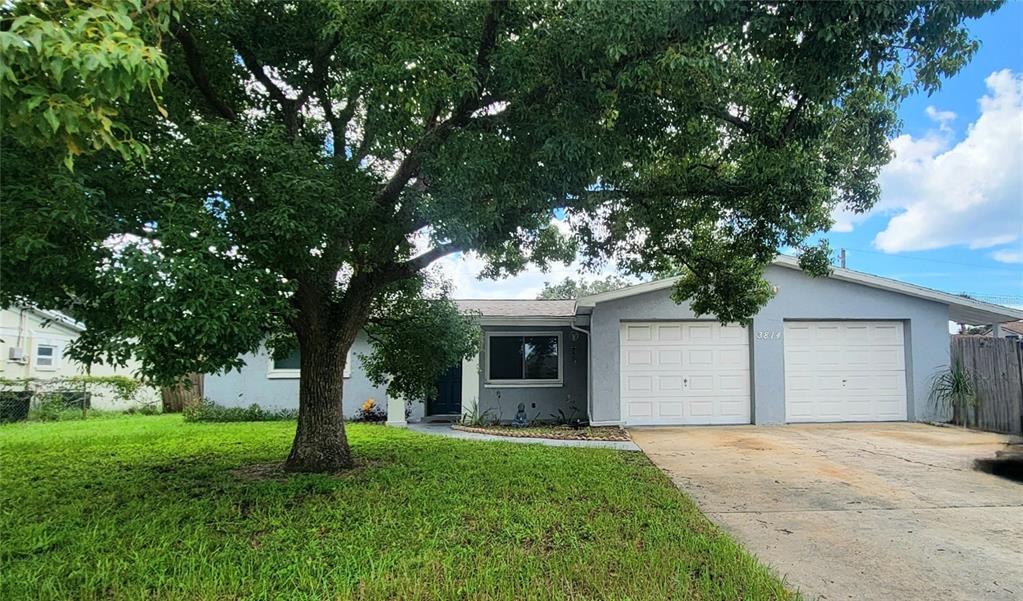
[54, 358]
[524, 383]
[273, 373]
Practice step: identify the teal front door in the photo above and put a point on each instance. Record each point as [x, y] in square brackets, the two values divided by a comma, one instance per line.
[448, 400]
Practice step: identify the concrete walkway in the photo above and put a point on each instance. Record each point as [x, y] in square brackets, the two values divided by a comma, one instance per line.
[857, 511]
[445, 430]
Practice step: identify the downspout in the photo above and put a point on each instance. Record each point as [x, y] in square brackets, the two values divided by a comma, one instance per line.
[589, 373]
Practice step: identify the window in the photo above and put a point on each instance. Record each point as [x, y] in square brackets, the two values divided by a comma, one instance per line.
[292, 361]
[46, 356]
[527, 359]
[289, 367]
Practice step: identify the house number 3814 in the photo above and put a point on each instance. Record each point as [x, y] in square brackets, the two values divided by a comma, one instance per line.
[765, 335]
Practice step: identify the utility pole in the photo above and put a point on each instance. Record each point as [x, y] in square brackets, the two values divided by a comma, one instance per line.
[841, 258]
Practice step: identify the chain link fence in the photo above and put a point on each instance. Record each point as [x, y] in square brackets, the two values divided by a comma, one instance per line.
[58, 399]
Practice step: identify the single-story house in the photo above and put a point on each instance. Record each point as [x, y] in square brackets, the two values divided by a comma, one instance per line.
[848, 347]
[33, 345]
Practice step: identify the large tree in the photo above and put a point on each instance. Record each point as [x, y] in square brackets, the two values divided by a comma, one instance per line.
[315, 158]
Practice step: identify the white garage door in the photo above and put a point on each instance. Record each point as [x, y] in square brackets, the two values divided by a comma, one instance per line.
[847, 371]
[684, 372]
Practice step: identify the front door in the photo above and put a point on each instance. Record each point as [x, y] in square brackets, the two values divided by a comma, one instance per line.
[448, 400]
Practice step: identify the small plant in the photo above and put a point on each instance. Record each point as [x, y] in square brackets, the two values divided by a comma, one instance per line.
[147, 409]
[952, 392]
[208, 411]
[474, 418]
[370, 412]
[53, 407]
[567, 419]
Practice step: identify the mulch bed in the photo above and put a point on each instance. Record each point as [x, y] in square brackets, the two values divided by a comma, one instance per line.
[556, 432]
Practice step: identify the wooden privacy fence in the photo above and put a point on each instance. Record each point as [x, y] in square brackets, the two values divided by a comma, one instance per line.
[185, 394]
[996, 367]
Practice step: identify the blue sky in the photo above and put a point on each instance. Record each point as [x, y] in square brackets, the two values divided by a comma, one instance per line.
[955, 266]
[951, 213]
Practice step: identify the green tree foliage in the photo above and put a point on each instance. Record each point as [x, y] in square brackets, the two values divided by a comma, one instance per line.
[317, 156]
[67, 67]
[569, 288]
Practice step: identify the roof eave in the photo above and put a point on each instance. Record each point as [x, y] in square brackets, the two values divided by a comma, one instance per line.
[961, 309]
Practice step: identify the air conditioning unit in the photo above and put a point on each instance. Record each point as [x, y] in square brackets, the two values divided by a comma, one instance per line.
[16, 355]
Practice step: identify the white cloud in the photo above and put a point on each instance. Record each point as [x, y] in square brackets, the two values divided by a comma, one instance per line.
[462, 270]
[943, 118]
[970, 193]
[1008, 256]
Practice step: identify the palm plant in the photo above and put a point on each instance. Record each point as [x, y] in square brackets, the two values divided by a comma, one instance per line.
[952, 391]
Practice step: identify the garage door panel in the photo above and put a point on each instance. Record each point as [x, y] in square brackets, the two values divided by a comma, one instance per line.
[698, 358]
[669, 383]
[845, 371]
[637, 383]
[670, 409]
[637, 333]
[639, 357]
[733, 358]
[698, 373]
[666, 358]
[669, 332]
[640, 408]
[699, 333]
[734, 335]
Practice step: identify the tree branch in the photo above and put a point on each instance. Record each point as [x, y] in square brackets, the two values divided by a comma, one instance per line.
[319, 65]
[790, 122]
[740, 123]
[409, 166]
[339, 121]
[198, 71]
[418, 263]
[289, 106]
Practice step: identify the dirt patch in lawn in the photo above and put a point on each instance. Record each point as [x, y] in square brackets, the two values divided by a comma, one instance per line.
[556, 432]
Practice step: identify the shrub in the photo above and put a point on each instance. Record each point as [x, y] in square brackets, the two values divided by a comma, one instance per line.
[208, 411]
[952, 392]
[370, 412]
[148, 409]
[53, 408]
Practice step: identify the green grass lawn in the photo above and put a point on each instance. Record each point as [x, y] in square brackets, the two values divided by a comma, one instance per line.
[154, 508]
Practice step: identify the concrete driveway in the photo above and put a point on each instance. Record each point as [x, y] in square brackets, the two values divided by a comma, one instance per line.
[857, 511]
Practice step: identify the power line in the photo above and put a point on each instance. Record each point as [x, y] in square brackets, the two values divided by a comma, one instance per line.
[904, 258]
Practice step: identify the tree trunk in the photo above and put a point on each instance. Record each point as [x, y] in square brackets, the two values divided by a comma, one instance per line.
[320, 443]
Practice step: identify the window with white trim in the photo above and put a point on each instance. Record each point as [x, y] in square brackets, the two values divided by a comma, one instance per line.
[524, 359]
[290, 367]
[46, 356]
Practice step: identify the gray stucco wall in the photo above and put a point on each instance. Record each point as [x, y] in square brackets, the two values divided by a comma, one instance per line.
[799, 297]
[251, 385]
[541, 402]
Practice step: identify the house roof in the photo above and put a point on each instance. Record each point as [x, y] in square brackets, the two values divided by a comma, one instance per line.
[519, 308]
[960, 309]
[1016, 327]
[1013, 326]
[58, 318]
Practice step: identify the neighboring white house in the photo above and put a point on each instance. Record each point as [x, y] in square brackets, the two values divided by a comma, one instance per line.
[32, 347]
